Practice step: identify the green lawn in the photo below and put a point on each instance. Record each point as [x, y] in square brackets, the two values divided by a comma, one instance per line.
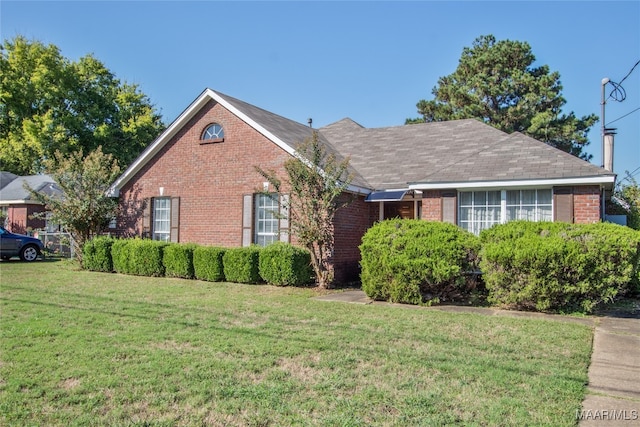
[82, 348]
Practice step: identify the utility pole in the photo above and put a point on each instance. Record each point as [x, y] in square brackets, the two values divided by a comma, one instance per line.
[602, 104]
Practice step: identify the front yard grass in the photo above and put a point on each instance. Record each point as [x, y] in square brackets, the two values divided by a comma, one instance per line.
[83, 348]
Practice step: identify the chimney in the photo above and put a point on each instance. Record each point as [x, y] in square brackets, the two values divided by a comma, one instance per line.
[608, 149]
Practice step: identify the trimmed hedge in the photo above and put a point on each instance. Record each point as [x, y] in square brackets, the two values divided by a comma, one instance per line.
[282, 264]
[138, 257]
[559, 267]
[413, 261]
[146, 257]
[207, 263]
[241, 265]
[120, 251]
[96, 254]
[177, 259]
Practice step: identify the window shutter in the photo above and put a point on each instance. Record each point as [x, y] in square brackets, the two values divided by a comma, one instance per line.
[247, 219]
[284, 218]
[563, 204]
[174, 234]
[147, 208]
[449, 207]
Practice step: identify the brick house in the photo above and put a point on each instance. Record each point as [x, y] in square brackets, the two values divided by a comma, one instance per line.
[17, 207]
[197, 181]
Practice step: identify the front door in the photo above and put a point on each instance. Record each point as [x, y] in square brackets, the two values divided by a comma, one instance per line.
[403, 210]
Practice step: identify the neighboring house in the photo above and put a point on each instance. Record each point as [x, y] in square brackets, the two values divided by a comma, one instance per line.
[197, 181]
[16, 204]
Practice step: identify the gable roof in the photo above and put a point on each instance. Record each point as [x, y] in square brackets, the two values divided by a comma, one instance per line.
[13, 192]
[456, 154]
[283, 132]
[453, 154]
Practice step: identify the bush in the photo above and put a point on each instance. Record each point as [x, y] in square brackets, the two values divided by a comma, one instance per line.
[559, 267]
[412, 261]
[120, 256]
[207, 263]
[282, 264]
[241, 265]
[145, 257]
[177, 259]
[96, 254]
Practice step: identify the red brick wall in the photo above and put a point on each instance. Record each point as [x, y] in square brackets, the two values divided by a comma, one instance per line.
[20, 218]
[350, 224]
[210, 179]
[432, 205]
[586, 204]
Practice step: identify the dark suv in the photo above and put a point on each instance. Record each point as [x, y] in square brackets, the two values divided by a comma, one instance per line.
[27, 248]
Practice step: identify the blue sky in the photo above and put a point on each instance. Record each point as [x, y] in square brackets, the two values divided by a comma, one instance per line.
[370, 61]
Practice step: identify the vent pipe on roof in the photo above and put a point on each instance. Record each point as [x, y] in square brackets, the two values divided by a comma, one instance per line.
[608, 148]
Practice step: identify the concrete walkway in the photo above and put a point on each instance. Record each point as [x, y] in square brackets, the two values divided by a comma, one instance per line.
[613, 392]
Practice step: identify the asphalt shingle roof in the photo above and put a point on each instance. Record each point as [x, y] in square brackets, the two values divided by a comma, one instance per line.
[290, 132]
[14, 190]
[457, 152]
[453, 151]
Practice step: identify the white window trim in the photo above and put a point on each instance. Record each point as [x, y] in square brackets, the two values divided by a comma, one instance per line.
[275, 206]
[503, 200]
[537, 205]
[161, 234]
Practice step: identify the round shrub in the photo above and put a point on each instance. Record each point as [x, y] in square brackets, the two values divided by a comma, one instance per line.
[282, 264]
[207, 263]
[412, 261]
[559, 267]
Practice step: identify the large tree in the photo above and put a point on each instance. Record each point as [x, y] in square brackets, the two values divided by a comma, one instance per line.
[85, 209]
[49, 103]
[497, 82]
[317, 181]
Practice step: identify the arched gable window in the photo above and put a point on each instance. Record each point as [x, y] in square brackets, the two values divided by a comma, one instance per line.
[213, 133]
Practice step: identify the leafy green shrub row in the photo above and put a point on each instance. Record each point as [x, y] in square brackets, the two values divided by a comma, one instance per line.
[241, 265]
[546, 266]
[207, 263]
[558, 266]
[145, 257]
[178, 260]
[279, 264]
[96, 254]
[414, 261]
[282, 264]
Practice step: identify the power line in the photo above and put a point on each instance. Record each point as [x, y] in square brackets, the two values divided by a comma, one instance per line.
[622, 117]
[631, 174]
[630, 71]
[618, 93]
